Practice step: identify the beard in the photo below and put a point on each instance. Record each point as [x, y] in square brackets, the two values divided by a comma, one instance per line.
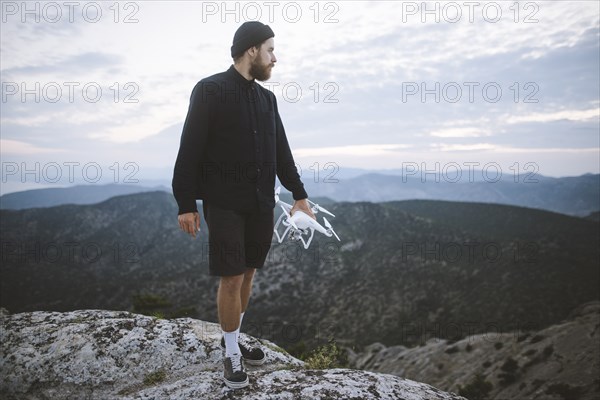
[261, 72]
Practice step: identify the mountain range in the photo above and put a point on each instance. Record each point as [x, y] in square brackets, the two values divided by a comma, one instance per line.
[78, 194]
[404, 271]
[578, 196]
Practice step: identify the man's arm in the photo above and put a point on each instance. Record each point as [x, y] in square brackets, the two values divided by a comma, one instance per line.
[286, 169]
[191, 146]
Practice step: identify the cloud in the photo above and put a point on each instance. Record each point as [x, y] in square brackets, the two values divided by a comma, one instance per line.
[71, 64]
[384, 48]
[460, 132]
[557, 150]
[571, 115]
[367, 55]
[17, 147]
[463, 147]
[489, 147]
[364, 150]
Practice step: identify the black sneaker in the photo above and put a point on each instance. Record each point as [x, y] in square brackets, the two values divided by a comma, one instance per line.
[234, 375]
[251, 355]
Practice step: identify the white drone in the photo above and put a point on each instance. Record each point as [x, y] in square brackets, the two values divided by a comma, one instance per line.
[300, 224]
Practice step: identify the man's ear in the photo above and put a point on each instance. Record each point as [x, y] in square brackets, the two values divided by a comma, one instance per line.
[253, 51]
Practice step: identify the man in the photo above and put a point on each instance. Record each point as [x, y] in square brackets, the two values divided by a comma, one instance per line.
[232, 146]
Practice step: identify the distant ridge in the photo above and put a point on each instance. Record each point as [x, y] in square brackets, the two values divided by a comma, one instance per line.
[78, 194]
[578, 196]
[595, 216]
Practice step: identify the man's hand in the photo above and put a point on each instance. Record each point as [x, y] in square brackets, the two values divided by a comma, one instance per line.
[189, 222]
[303, 206]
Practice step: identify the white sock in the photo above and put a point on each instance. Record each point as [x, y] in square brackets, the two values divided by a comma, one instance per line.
[237, 331]
[231, 345]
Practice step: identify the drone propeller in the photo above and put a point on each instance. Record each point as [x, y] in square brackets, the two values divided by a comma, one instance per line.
[316, 208]
[330, 229]
[277, 194]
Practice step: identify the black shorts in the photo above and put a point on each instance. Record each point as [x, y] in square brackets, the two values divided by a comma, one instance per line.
[236, 241]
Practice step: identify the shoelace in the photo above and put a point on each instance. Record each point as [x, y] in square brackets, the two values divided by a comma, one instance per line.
[236, 362]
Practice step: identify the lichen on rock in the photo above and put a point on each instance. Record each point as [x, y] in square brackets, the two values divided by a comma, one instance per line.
[99, 354]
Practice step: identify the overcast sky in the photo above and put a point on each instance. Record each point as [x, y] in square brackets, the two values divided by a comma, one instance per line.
[374, 85]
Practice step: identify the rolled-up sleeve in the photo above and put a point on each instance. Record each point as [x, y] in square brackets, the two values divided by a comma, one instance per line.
[191, 147]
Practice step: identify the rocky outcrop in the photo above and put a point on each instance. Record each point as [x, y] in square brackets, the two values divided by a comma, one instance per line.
[95, 354]
[559, 362]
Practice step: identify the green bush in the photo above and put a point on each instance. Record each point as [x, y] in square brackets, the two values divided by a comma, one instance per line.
[298, 350]
[155, 377]
[157, 315]
[325, 357]
[451, 350]
[509, 374]
[548, 350]
[149, 304]
[158, 306]
[536, 338]
[564, 390]
[530, 352]
[477, 389]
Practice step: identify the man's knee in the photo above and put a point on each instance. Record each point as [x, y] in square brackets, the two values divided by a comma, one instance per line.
[232, 283]
[249, 274]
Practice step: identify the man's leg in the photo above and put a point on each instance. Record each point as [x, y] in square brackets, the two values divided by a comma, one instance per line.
[245, 295]
[229, 301]
[247, 288]
[257, 242]
[252, 355]
[229, 305]
[225, 236]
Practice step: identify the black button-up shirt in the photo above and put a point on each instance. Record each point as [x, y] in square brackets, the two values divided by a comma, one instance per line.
[232, 145]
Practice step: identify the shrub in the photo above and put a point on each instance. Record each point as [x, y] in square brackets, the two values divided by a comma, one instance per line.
[298, 350]
[155, 377]
[520, 338]
[530, 352]
[536, 338]
[548, 350]
[564, 390]
[158, 306]
[158, 315]
[477, 389]
[509, 374]
[326, 356]
[149, 304]
[452, 349]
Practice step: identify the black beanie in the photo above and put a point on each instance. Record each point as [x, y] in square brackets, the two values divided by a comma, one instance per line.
[250, 34]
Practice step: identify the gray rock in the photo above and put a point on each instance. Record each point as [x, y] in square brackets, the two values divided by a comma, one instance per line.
[96, 354]
[559, 362]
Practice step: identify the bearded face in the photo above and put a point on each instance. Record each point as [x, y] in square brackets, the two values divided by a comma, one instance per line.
[264, 61]
[259, 70]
